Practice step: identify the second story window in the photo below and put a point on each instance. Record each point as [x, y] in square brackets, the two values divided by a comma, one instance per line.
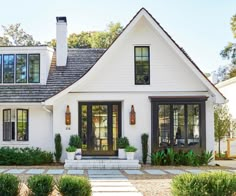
[20, 68]
[142, 65]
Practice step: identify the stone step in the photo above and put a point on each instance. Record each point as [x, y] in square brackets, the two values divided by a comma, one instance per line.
[109, 183]
[102, 164]
[114, 189]
[117, 194]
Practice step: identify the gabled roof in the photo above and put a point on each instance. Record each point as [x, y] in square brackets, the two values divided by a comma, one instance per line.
[79, 62]
[219, 98]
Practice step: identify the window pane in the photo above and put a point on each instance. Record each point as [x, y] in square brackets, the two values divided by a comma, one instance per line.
[164, 125]
[34, 68]
[0, 68]
[115, 125]
[193, 125]
[7, 125]
[84, 120]
[8, 68]
[22, 125]
[142, 65]
[179, 125]
[21, 70]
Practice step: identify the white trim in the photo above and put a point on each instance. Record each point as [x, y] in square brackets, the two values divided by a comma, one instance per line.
[226, 82]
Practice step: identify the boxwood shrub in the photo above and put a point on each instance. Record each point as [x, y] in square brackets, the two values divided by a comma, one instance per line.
[9, 185]
[214, 183]
[74, 186]
[24, 156]
[40, 185]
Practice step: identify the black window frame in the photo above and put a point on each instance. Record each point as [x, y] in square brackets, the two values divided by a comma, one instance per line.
[27, 128]
[135, 66]
[28, 68]
[13, 68]
[4, 137]
[1, 68]
[156, 101]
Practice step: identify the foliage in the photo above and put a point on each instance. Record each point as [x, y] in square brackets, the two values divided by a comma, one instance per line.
[157, 158]
[144, 139]
[70, 149]
[170, 157]
[14, 35]
[93, 39]
[130, 149]
[223, 122]
[40, 185]
[215, 183]
[122, 142]
[75, 141]
[9, 185]
[24, 156]
[58, 147]
[74, 186]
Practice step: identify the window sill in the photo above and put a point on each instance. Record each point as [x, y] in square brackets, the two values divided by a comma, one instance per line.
[26, 143]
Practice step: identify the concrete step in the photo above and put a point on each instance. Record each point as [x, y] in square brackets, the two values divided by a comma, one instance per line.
[117, 194]
[102, 164]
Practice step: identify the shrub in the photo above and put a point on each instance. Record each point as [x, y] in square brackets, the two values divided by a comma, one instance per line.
[215, 183]
[58, 147]
[24, 156]
[170, 156]
[74, 186]
[122, 142]
[130, 149]
[70, 149]
[205, 158]
[40, 185]
[9, 185]
[75, 141]
[157, 158]
[144, 138]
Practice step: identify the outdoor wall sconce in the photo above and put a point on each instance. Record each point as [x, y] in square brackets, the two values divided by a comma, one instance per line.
[132, 116]
[68, 116]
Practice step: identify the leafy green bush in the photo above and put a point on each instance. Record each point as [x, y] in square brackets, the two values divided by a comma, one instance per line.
[215, 183]
[40, 185]
[130, 149]
[24, 156]
[75, 141]
[58, 147]
[70, 149]
[9, 185]
[157, 158]
[122, 142]
[74, 186]
[144, 139]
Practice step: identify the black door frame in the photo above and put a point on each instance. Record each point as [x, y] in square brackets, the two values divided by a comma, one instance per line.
[90, 145]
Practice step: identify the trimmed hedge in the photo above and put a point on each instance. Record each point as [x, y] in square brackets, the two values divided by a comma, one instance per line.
[40, 185]
[9, 185]
[214, 183]
[24, 156]
[74, 186]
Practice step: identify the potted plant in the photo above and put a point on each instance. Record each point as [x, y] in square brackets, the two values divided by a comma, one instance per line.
[122, 143]
[75, 141]
[70, 152]
[130, 151]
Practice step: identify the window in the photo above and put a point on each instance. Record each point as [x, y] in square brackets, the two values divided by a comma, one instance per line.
[12, 117]
[142, 65]
[21, 64]
[178, 123]
[8, 68]
[20, 68]
[34, 68]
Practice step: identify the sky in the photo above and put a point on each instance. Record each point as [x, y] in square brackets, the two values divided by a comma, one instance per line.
[201, 27]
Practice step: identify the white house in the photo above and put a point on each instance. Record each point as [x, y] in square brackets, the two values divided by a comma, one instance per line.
[144, 68]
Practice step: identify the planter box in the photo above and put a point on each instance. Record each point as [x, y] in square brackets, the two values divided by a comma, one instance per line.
[121, 153]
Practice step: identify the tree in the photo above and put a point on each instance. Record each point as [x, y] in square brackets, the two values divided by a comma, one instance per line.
[223, 123]
[93, 39]
[14, 35]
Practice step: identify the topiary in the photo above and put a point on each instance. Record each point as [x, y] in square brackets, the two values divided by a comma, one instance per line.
[58, 147]
[144, 139]
[9, 185]
[122, 142]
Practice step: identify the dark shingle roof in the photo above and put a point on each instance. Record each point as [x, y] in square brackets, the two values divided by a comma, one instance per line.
[79, 63]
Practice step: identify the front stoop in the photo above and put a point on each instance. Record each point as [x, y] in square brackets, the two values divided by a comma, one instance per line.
[102, 164]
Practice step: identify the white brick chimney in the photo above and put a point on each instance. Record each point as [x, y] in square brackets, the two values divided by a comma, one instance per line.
[61, 38]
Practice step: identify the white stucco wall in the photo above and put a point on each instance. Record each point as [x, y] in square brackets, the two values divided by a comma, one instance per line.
[40, 128]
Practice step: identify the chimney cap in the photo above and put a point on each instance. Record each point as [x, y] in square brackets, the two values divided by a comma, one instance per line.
[61, 19]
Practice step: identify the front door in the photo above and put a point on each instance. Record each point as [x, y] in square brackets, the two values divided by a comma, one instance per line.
[99, 127]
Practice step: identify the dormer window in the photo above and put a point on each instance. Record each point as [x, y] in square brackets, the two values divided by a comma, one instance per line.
[20, 68]
[142, 65]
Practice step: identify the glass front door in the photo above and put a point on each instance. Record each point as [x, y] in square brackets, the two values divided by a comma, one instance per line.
[99, 127]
